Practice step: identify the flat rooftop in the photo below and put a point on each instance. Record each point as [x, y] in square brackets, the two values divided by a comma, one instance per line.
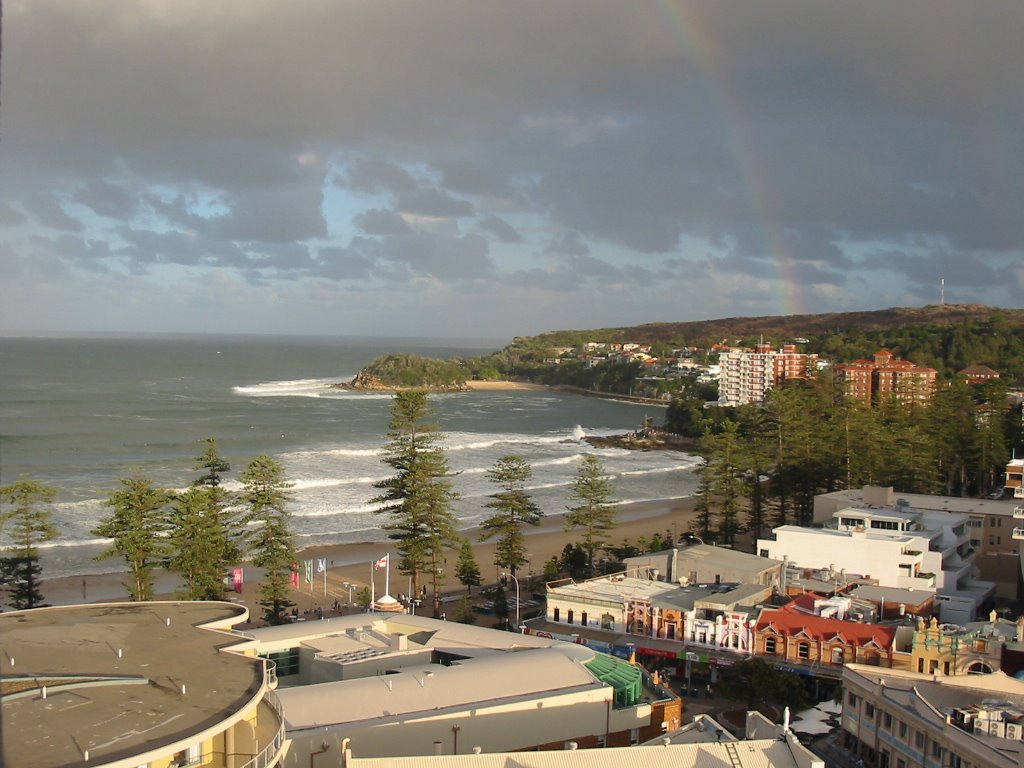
[122, 679]
[921, 502]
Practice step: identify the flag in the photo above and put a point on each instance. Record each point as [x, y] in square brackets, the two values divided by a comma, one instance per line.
[295, 575]
[237, 577]
[309, 570]
[321, 564]
[383, 562]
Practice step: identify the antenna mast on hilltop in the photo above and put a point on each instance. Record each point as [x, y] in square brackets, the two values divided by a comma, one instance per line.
[942, 292]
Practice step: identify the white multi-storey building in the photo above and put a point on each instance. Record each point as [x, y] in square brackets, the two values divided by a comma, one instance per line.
[929, 551]
[746, 376]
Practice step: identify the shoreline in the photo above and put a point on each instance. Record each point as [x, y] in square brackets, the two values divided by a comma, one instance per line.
[352, 563]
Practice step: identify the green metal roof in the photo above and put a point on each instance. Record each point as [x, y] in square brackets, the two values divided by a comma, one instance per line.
[622, 676]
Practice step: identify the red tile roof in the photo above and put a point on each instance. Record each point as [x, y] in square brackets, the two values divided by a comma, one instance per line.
[793, 618]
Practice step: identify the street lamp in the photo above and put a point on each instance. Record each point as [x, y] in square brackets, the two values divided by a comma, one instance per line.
[517, 597]
[348, 585]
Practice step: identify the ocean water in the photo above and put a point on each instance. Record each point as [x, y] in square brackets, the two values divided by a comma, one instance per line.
[80, 414]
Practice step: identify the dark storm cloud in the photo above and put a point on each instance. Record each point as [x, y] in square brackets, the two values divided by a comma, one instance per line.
[381, 222]
[734, 140]
[960, 269]
[10, 216]
[410, 195]
[500, 228]
[48, 212]
[568, 243]
[152, 248]
[440, 257]
[345, 263]
[274, 214]
[111, 200]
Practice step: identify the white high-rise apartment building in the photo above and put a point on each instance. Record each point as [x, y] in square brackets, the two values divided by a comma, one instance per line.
[748, 375]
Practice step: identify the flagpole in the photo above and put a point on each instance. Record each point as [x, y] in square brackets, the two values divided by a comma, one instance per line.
[373, 587]
[325, 581]
[387, 576]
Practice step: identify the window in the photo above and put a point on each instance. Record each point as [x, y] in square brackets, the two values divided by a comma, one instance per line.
[869, 709]
[557, 612]
[287, 661]
[919, 740]
[851, 699]
[764, 553]
[583, 619]
[769, 645]
[936, 749]
[568, 617]
[887, 721]
[903, 731]
[189, 757]
[804, 650]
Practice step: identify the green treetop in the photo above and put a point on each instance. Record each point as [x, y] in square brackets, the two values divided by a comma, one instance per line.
[27, 525]
[594, 512]
[418, 498]
[136, 526]
[513, 509]
[265, 494]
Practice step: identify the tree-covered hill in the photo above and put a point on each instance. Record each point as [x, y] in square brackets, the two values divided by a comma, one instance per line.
[947, 338]
[411, 372]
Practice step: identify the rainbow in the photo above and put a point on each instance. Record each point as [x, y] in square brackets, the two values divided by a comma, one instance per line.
[699, 41]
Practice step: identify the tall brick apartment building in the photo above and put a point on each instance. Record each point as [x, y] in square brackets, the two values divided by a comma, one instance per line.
[887, 376]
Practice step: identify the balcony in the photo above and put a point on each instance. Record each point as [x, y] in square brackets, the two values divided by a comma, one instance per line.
[1018, 513]
[269, 732]
[1018, 533]
[1018, 492]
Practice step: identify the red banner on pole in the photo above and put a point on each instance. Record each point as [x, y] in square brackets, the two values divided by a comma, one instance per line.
[237, 578]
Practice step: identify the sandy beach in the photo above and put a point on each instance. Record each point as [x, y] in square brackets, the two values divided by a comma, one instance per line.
[353, 563]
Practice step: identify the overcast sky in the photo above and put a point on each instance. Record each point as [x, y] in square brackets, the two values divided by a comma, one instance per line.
[486, 169]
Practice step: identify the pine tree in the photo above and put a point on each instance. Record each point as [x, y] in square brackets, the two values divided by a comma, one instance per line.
[725, 479]
[467, 571]
[224, 523]
[195, 551]
[701, 524]
[595, 511]
[265, 495]
[27, 526]
[513, 509]
[203, 531]
[419, 496]
[465, 614]
[137, 526]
